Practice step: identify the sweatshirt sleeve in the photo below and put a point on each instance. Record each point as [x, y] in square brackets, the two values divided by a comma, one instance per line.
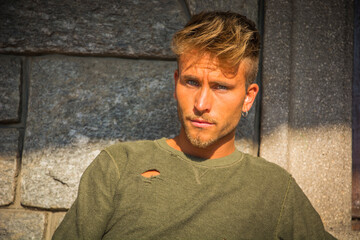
[88, 216]
[298, 218]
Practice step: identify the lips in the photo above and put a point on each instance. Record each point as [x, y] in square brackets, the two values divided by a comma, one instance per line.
[201, 123]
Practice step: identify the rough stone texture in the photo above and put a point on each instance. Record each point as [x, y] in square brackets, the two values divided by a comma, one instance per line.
[16, 224]
[10, 70]
[79, 105]
[306, 121]
[342, 233]
[276, 77]
[249, 8]
[8, 155]
[320, 161]
[128, 27]
[245, 138]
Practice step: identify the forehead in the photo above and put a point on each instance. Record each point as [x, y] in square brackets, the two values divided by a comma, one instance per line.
[194, 62]
[191, 61]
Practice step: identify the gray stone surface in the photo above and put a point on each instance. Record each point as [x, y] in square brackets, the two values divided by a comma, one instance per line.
[322, 66]
[306, 121]
[16, 224]
[109, 27]
[342, 233]
[245, 138]
[321, 106]
[79, 105]
[320, 161]
[249, 8]
[8, 155]
[10, 70]
[276, 76]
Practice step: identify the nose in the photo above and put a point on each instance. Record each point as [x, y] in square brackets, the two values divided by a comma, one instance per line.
[203, 100]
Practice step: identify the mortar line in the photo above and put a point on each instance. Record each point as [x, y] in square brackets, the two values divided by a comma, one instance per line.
[23, 117]
[11, 125]
[99, 55]
[47, 227]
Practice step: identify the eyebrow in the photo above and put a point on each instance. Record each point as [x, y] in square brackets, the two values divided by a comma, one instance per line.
[219, 82]
[190, 77]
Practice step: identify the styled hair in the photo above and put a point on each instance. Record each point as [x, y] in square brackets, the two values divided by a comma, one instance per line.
[227, 36]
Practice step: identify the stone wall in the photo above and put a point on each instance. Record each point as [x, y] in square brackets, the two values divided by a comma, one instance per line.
[306, 105]
[76, 76]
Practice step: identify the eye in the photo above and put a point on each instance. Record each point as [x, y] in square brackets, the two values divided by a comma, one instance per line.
[192, 83]
[221, 87]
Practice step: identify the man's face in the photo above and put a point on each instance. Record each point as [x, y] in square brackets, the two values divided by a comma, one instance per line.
[210, 103]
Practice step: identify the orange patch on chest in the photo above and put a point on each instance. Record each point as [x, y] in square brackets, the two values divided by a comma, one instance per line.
[150, 173]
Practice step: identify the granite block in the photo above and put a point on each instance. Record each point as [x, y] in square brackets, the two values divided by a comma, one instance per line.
[17, 224]
[249, 8]
[8, 155]
[79, 105]
[321, 164]
[116, 28]
[10, 72]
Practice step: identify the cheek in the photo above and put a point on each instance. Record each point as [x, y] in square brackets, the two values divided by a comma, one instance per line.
[184, 99]
[232, 113]
[231, 106]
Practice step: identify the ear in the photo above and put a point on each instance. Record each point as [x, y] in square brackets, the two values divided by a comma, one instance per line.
[251, 93]
[176, 78]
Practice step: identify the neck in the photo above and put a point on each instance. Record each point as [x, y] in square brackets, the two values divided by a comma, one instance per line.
[221, 148]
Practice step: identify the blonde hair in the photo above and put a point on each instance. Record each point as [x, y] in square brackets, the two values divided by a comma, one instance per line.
[227, 36]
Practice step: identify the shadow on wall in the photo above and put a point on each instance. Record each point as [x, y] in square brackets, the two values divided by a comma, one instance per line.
[79, 105]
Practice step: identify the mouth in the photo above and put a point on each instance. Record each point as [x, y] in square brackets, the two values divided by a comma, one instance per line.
[201, 123]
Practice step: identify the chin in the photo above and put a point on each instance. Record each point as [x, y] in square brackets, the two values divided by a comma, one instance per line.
[200, 142]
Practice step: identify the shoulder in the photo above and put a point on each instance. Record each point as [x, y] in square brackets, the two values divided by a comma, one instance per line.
[130, 147]
[268, 171]
[136, 152]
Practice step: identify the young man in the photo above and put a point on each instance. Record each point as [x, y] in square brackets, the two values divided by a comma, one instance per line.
[196, 185]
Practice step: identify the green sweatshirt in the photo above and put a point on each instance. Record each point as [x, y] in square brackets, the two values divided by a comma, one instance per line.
[235, 197]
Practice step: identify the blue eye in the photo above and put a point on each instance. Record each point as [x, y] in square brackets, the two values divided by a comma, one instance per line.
[192, 83]
[221, 87]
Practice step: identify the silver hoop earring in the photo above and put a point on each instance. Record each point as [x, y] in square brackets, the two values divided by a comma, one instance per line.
[244, 114]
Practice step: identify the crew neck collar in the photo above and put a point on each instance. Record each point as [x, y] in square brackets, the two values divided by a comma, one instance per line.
[216, 162]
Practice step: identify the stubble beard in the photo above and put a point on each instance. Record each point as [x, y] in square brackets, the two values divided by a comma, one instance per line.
[196, 140]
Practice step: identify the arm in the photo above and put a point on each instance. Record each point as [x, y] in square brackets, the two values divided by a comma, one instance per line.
[298, 218]
[88, 216]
